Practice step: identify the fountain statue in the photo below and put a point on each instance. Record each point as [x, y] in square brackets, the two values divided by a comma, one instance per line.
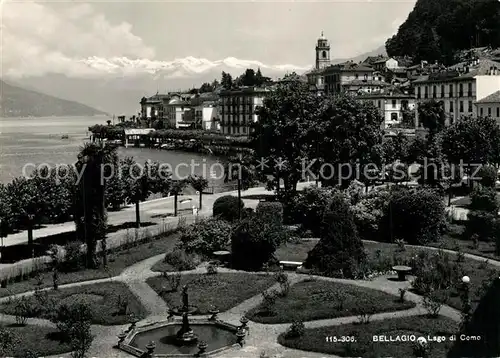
[185, 335]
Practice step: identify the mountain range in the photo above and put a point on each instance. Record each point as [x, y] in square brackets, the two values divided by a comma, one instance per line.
[116, 85]
[19, 102]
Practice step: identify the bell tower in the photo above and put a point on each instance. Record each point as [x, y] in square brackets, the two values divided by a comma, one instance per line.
[322, 52]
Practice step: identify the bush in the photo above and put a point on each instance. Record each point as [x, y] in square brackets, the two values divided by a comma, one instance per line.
[206, 236]
[296, 330]
[368, 213]
[488, 176]
[435, 272]
[270, 211]
[174, 280]
[211, 270]
[268, 301]
[180, 260]
[308, 207]
[9, 341]
[415, 216]
[67, 317]
[23, 309]
[340, 250]
[484, 199]
[226, 208]
[73, 257]
[433, 301]
[282, 279]
[254, 242]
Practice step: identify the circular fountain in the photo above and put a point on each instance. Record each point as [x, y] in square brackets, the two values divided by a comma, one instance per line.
[202, 336]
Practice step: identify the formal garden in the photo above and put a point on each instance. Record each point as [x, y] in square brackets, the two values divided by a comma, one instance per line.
[320, 270]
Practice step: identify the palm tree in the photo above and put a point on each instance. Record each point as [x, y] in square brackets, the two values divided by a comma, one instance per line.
[241, 168]
[199, 184]
[89, 206]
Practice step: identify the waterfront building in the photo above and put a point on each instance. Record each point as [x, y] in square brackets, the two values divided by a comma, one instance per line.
[205, 111]
[459, 87]
[177, 112]
[490, 106]
[237, 109]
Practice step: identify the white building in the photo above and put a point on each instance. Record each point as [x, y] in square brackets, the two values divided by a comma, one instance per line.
[392, 104]
[385, 64]
[459, 87]
[489, 106]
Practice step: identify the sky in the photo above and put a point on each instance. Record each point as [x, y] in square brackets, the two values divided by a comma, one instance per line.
[38, 37]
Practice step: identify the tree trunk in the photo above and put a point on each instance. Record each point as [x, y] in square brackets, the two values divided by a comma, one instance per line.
[201, 193]
[137, 215]
[239, 198]
[30, 239]
[175, 204]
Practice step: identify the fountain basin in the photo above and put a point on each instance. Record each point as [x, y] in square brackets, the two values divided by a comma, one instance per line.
[219, 336]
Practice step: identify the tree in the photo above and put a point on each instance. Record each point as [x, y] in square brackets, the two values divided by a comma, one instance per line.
[227, 208]
[339, 252]
[90, 210]
[283, 136]
[431, 115]
[199, 184]
[175, 189]
[206, 87]
[9, 341]
[248, 78]
[242, 168]
[259, 79]
[396, 148]
[226, 81]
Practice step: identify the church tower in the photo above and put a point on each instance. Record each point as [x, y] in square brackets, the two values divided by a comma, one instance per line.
[322, 52]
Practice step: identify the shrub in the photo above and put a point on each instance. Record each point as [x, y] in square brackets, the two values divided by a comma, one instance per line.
[282, 279]
[270, 211]
[121, 305]
[80, 339]
[211, 269]
[23, 309]
[226, 208]
[484, 199]
[355, 191]
[433, 301]
[488, 176]
[254, 242]
[206, 236]
[402, 293]
[435, 272]
[484, 225]
[180, 260]
[73, 257]
[174, 280]
[268, 301]
[69, 316]
[8, 341]
[309, 207]
[296, 330]
[368, 213]
[340, 249]
[415, 216]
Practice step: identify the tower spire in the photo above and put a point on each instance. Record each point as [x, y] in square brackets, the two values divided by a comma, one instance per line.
[321, 33]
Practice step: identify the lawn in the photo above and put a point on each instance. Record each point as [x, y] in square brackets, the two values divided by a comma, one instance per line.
[480, 272]
[313, 300]
[118, 261]
[224, 290]
[295, 251]
[111, 302]
[318, 339]
[42, 341]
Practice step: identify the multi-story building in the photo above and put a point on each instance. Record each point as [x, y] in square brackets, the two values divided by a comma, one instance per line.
[337, 77]
[177, 113]
[315, 76]
[237, 109]
[489, 106]
[392, 103]
[459, 87]
[205, 110]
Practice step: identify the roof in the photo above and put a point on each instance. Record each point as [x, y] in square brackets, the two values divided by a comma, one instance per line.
[372, 59]
[366, 82]
[244, 90]
[392, 92]
[492, 98]
[349, 66]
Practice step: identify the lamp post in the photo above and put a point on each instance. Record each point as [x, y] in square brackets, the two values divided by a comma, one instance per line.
[30, 234]
[466, 306]
[84, 160]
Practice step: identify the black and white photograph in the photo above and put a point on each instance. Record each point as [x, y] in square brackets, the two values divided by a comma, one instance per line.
[249, 179]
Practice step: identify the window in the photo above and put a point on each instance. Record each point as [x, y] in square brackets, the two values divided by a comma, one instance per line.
[324, 54]
[434, 94]
[481, 111]
[356, 76]
[461, 90]
[470, 106]
[394, 116]
[498, 112]
[244, 130]
[461, 106]
[419, 92]
[366, 77]
[442, 91]
[426, 92]
[451, 90]
[451, 107]
[489, 111]
[393, 103]
[469, 90]
[379, 104]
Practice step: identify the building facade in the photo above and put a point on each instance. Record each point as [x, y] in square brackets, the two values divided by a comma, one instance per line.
[315, 76]
[489, 106]
[237, 109]
[337, 77]
[459, 87]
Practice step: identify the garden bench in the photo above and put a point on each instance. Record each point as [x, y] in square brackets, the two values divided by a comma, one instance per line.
[402, 271]
[290, 265]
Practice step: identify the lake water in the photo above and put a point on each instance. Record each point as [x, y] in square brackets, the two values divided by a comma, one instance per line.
[25, 142]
